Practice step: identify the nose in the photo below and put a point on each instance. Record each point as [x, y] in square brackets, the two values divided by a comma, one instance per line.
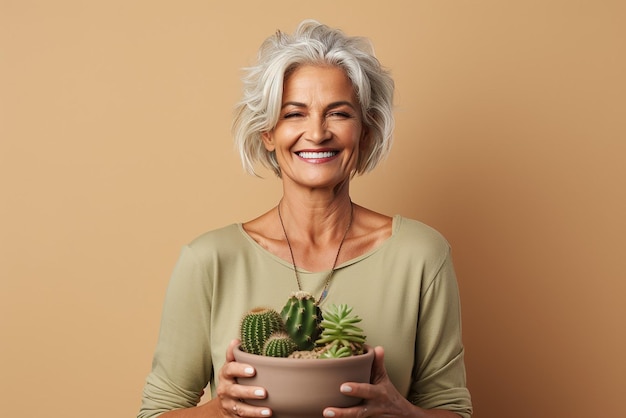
[317, 130]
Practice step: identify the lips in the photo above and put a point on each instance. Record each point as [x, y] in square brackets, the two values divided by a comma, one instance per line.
[309, 155]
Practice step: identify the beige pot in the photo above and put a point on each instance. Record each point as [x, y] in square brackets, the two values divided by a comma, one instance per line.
[302, 388]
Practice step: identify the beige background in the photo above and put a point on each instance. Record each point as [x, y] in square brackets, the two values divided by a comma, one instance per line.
[115, 150]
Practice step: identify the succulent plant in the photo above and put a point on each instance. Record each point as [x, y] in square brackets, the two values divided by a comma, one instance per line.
[279, 344]
[335, 351]
[256, 327]
[340, 331]
[301, 330]
[302, 317]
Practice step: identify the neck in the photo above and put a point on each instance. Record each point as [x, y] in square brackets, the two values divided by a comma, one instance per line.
[335, 258]
[315, 214]
[316, 221]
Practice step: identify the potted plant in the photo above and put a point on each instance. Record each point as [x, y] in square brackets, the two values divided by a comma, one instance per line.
[302, 355]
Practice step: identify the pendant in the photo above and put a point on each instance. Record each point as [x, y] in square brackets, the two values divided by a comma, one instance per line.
[323, 296]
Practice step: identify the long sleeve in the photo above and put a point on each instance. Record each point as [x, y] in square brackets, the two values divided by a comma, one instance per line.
[182, 363]
[439, 373]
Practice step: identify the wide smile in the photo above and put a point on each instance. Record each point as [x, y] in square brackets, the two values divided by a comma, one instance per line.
[316, 155]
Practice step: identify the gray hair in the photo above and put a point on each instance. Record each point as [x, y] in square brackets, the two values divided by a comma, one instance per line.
[316, 44]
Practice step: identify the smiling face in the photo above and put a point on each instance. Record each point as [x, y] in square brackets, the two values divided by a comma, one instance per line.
[320, 128]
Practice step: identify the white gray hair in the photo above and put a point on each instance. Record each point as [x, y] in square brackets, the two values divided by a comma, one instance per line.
[312, 44]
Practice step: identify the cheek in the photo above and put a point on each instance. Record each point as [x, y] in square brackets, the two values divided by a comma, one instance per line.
[358, 138]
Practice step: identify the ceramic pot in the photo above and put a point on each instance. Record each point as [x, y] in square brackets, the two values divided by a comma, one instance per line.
[302, 388]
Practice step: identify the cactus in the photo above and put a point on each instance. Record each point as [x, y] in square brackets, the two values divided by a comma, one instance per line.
[340, 331]
[256, 327]
[302, 317]
[301, 331]
[279, 344]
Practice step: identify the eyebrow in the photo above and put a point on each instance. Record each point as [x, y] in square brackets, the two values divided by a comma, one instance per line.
[330, 105]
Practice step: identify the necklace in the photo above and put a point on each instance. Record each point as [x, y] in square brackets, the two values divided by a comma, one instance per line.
[332, 270]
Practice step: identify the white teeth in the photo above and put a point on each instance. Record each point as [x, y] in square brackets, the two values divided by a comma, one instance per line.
[311, 155]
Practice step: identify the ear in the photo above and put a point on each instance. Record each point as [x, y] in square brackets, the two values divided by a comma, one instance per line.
[268, 141]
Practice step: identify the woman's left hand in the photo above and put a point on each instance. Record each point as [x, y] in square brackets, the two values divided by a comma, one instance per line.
[380, 397]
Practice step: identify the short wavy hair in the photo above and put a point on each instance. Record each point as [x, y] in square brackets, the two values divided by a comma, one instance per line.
[312, 44]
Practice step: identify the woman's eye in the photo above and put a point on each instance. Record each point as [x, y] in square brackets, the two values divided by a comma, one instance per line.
[291, 115]
[340, 115]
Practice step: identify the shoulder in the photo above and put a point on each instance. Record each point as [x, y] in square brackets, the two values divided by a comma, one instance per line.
[415, 230]
[223, 239]
[417, 236]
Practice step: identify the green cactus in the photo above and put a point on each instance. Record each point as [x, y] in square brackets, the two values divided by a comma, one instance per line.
[279, 344]
[340, 331]
[300, 330]
[302, 317]
[256, 327]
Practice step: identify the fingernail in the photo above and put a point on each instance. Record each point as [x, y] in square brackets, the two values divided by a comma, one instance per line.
[259, 392]
[346, 389]
[329, 414]
[266, 412]
[249, 371]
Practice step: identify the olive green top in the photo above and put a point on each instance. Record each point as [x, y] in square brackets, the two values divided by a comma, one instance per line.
[405, 291]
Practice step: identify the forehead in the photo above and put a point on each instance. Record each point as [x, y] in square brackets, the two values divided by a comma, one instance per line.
[316, 81]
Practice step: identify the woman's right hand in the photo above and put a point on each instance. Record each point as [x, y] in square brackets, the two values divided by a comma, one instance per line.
[230, 394]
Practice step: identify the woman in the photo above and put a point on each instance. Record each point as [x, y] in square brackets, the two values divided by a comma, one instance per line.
[317, 110]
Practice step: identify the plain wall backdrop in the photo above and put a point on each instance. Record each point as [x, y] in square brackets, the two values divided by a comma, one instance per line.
[115, 150]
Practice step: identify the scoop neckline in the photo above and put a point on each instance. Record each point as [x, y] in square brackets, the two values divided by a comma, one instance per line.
[395, 226]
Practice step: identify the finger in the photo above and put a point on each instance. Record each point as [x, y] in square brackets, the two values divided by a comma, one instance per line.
[229, 351]
[241, 409]
[359, 390]
[236, 410]
[229, 390]
[242, 392]
[233, 370]
[361, 411]
[378, 368]
[379, 374]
